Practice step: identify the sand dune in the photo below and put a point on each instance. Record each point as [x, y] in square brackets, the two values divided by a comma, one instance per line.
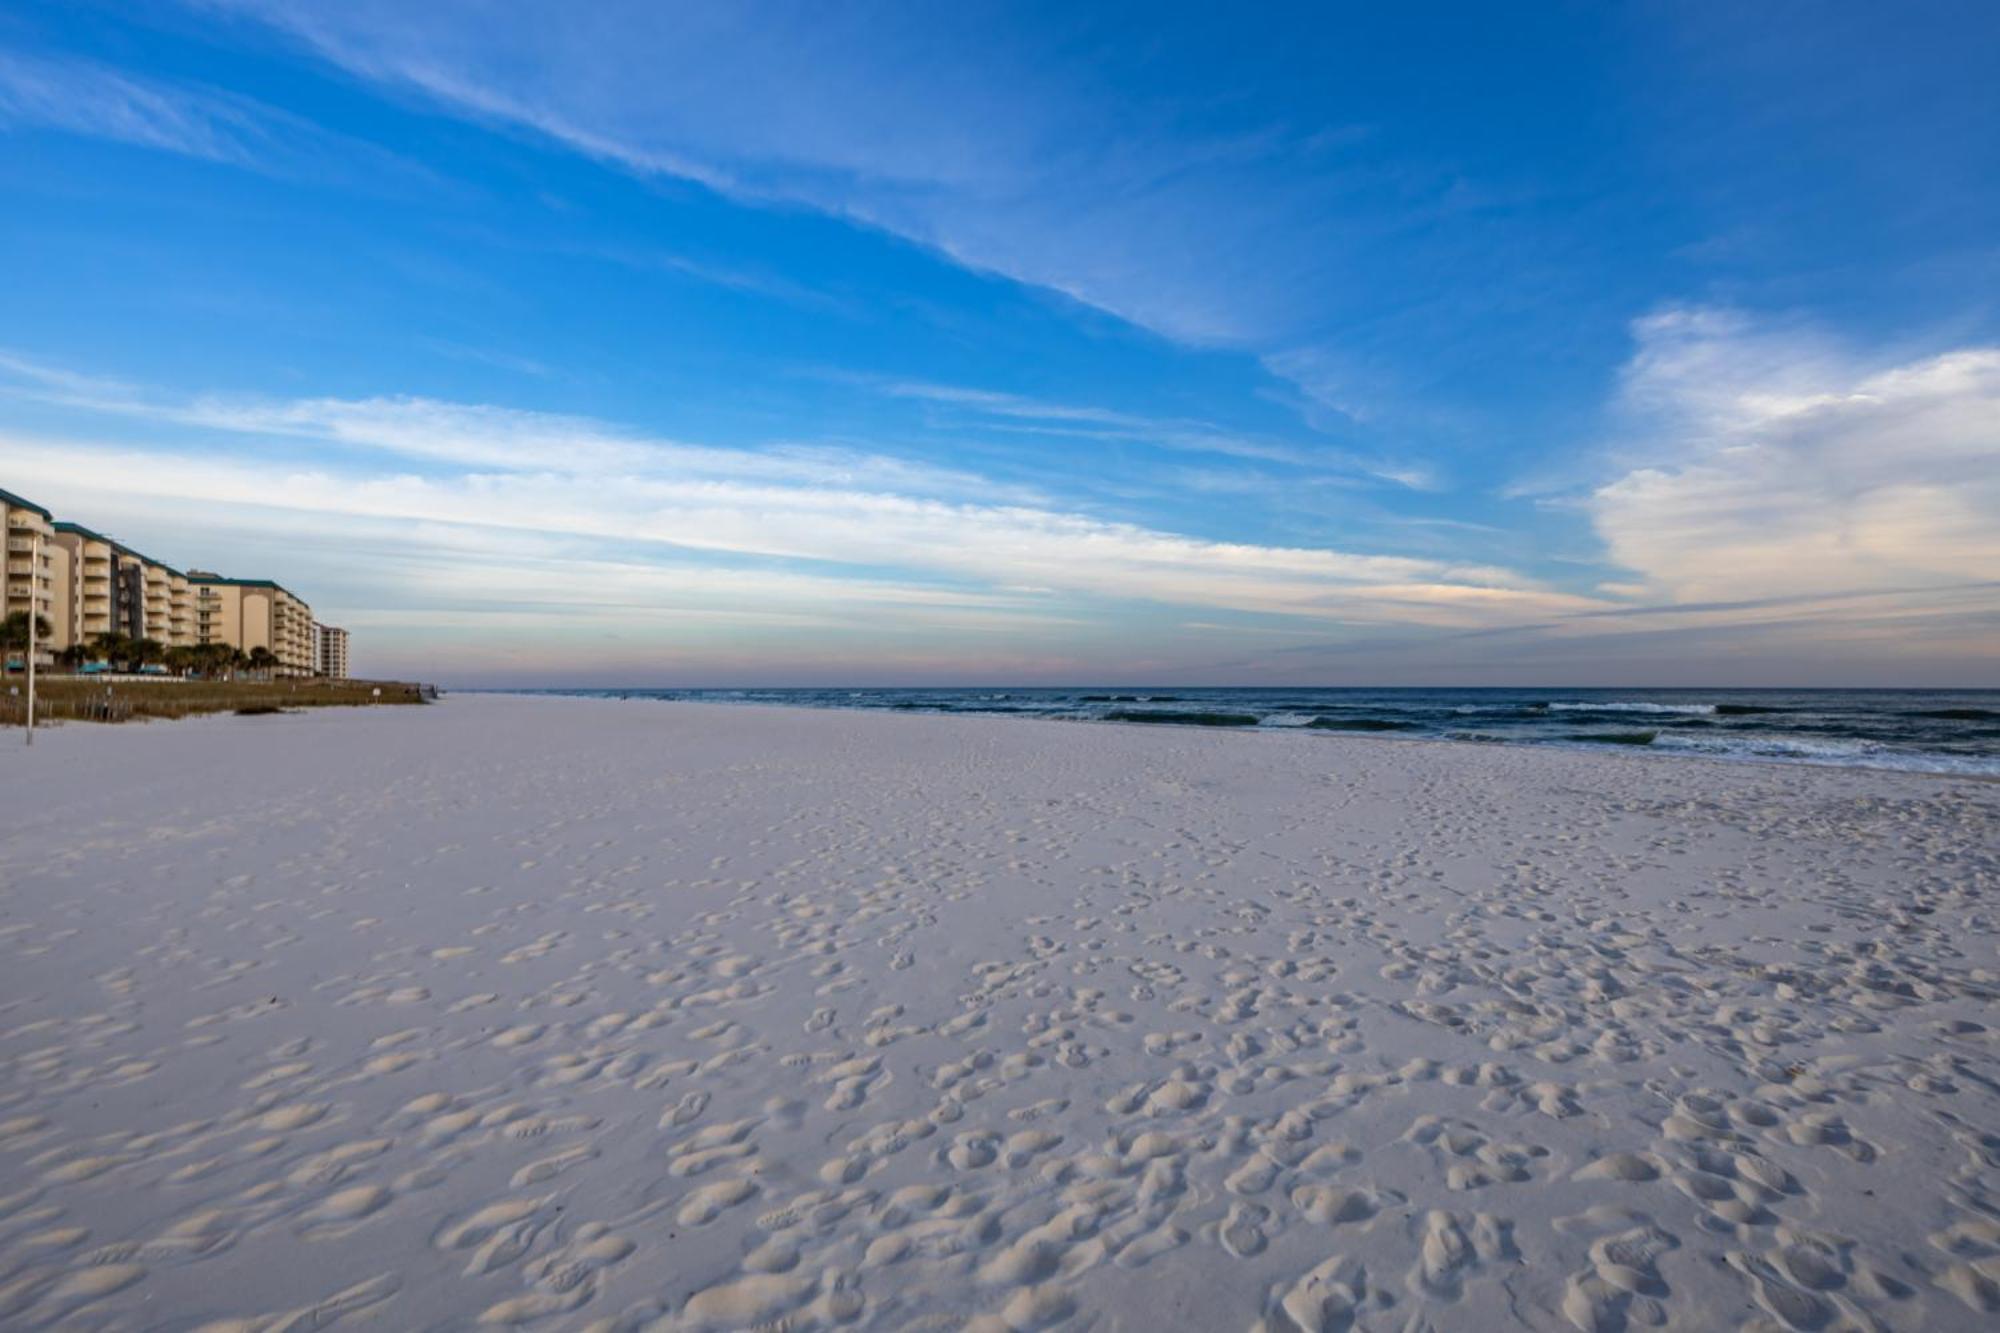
[588, 1015]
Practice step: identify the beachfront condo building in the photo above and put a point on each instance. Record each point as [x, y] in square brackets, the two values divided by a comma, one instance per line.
[249, 614]
[86, 584]
[36, 580]
[331, 654]
[115, 590]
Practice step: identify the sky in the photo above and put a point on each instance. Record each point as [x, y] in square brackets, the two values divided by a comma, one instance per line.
[639, 343]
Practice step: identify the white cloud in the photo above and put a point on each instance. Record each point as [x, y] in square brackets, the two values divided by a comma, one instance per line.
[853, 519]
[505, 468]
[751, 518]
[1781, 501]
[1775, 464]
[486, 437]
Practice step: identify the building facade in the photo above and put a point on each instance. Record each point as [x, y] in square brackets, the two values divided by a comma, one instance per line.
[36, 577]
[116, 590]
[248, 614]
[332, 654]
[86, 584]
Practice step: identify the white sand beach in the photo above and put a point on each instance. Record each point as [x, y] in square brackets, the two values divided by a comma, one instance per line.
[576, 1014]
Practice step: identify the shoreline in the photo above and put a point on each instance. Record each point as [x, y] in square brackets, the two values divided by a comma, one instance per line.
[1300, 733]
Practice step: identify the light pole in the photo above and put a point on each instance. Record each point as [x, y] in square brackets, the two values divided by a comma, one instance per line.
[34, 562]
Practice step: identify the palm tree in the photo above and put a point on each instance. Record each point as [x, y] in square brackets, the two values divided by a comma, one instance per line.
[210, 658]
[147, 651]
[114, 648]
[263, 659]
[15, 637]
[14, 630]
[73, 656]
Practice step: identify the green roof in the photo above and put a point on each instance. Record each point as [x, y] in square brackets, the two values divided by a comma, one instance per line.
[8, 497]
[121, 547]
[116, 545]
[92, 534]
[246, 583]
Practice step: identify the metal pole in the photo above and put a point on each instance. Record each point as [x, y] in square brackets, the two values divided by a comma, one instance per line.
[34, 561]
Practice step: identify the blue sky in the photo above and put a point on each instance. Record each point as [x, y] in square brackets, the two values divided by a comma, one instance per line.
[644, 343]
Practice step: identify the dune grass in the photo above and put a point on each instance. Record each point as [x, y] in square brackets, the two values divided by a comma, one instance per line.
[81, 699]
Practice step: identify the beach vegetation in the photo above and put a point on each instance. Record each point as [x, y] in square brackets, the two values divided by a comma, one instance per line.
[14, 632]
[84, 699]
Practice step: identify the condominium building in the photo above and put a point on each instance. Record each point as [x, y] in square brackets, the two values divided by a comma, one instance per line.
[119, 591]
[86, 584]
[332, 651]
[37, 572]
[248, 614]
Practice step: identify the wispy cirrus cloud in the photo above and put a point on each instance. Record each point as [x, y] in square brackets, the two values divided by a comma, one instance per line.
[81, 97]
[1216, 218]
[72, 95]
[488, 438]
[1040, 416]
[746, 517]
[506, 469]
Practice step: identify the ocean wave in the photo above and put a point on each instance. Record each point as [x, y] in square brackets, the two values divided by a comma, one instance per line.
[1183, 718]
[1948, 733]
[1359, 724]
[1704, 710]
[1830, 751]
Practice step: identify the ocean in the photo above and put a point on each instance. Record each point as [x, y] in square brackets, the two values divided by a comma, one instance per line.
[1925, 731]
